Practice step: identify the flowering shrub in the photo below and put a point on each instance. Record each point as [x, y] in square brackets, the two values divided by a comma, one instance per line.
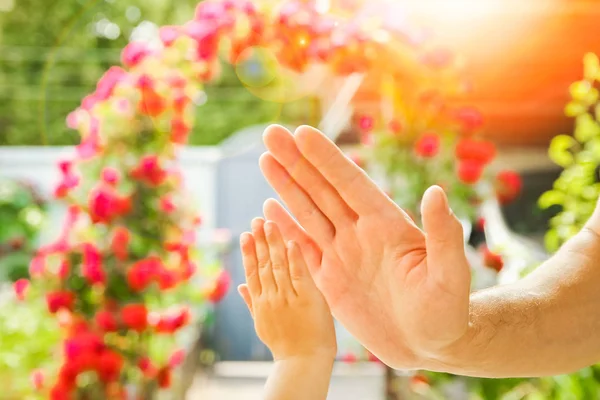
[22, 212]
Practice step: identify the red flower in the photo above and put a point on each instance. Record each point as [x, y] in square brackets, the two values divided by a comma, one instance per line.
[395, 126]
[470, 171]
[69, 179]
[106, 321]
[21, 287]
[366, 123]
[373, 358]
[481, 224]
[110, 365]
[135, 317]
[134, 53]
[151, 103]
[105, 205]
[508, 186]
[349, 358]
[120, 243]
[143, 272]
[476, 150]
[166, 204]
[92, 268]
[60, 299]
[167, 279]
[164, 378]
[492, 260]
[150, 171]
[148, 369]
[64, 270]
[428, 145]
[206, 34]
[221, 287]
[172, 323]
[60, 392]
[179, 131]
[470, 119]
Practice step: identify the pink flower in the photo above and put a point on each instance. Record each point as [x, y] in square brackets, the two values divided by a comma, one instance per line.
[206, 34]
[470, 119]
[21, 287]
[166, 205]
[168, 34]
[134, 53]
[109, 80]
[92, 268]
[37, 379]
[366, 123]
[176, 359]
[37, 266]
[110, 175]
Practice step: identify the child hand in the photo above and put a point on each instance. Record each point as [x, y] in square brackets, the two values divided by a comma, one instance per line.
[290, 315]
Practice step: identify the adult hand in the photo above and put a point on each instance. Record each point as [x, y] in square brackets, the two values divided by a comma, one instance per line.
[403, 293]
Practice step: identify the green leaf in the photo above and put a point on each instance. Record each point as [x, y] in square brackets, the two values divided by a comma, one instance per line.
[574, 109]
[580, 89]
[551, 198]
[586, 128]
[591, 67]
[559, 150]
[552, 241]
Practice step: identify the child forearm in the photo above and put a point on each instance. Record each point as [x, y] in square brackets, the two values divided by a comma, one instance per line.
[299, 379]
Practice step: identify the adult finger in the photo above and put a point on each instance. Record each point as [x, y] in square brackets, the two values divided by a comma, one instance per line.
[280, 143]
[301, 205]
[352, 183]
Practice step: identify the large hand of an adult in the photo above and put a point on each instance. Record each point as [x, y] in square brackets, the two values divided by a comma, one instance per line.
[403, 293]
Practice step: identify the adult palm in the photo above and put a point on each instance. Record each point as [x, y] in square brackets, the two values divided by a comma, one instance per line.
[403, 293]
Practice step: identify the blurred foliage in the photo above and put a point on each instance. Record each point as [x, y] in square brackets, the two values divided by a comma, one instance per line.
[48, 64]
[28, 338]
[577, 188]
[22, 213]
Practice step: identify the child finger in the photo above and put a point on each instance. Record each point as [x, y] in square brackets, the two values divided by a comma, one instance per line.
[279, 261]
[299, 274]
[250, 262]
[267, 280]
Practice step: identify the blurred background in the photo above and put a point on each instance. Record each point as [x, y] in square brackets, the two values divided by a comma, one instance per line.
[400, 85]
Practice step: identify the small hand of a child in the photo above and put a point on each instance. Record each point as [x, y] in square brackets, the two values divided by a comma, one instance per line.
[290, 315]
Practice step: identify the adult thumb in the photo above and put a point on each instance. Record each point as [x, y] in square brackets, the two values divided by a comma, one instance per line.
[446, 259]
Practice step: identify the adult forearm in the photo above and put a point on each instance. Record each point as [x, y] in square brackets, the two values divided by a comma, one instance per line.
[300, 379]
[546, 324]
